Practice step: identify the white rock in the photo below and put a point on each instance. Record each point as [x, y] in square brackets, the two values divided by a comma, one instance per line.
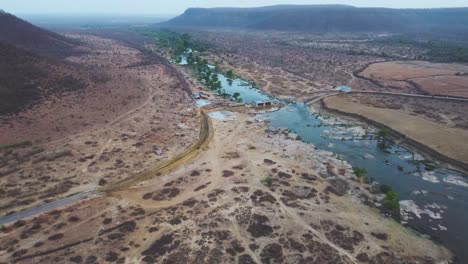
[293, 136]
[456, 180]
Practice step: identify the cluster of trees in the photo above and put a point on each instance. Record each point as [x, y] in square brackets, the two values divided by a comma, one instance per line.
[180, 45]
[433, 50]
[209, 75]
[390, 202]
[204, 73]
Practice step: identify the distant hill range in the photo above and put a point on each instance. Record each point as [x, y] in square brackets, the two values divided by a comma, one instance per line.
[20, 33]
[327, 18]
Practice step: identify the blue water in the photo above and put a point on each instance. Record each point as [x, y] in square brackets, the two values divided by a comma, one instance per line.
[395, 166]
[248, 93]
[343, 88]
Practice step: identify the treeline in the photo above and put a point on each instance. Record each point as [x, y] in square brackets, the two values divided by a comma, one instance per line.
[177, 43]
[180, 46]
[434, 50]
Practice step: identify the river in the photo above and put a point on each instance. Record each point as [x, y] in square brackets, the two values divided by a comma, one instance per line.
[433, 200]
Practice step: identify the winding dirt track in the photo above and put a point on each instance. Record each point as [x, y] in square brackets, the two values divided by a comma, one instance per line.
[206, 135]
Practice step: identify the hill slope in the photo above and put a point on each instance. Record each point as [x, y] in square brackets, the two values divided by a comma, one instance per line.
[327, 18]
[20, 33]
[26, 77]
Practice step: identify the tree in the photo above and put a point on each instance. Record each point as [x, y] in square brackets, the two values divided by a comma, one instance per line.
[218, 85]
[391, 201]
[230, 74]
[190, 59]
[383, 134]
[383, 138]
[186, 39]
[236, 96]
[214, 77]
[359, 172]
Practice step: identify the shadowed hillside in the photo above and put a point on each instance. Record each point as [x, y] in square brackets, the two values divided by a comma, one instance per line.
[328, 18]
[26, 77]
[26, 71]
[25, 35]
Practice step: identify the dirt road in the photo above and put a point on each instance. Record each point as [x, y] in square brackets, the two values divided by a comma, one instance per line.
[206, 135]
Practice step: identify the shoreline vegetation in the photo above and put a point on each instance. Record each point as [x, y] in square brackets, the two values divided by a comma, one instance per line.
[180, 45]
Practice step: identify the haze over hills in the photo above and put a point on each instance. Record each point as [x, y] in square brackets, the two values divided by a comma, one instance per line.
[327, 18]
[23, 34]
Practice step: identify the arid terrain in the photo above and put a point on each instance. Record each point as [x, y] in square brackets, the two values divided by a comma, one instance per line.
[112, 115]
[218, 208]
[429, 78]
[299, 65]
[136, 115]
[284, 65]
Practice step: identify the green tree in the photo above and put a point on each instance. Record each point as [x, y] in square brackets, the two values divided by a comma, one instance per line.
[190, 59]
[383, 138]
[236, 96]
[359, 172]
[230, 74]
[186, 39]
[391, 201]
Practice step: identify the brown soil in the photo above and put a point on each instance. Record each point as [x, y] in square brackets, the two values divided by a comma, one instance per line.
[431, 78]
[239, 219]
[137, 116]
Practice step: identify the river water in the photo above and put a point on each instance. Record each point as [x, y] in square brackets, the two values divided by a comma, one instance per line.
[433, 200]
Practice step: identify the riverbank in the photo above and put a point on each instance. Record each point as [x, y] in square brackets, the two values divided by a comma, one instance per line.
[251, 195]
[438, 141]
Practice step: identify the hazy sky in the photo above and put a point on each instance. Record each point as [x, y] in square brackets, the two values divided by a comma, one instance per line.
[178, 6]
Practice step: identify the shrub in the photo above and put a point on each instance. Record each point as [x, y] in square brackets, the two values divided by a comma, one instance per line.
[230, 74]
[16, 145]
[359, 172]
[268, 180]
[384, 139]
[391, 201]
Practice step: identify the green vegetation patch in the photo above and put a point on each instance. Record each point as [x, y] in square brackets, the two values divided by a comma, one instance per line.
[268, 181]
[390, 201]
[434, 50]
[16, 145]
[359, 172]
